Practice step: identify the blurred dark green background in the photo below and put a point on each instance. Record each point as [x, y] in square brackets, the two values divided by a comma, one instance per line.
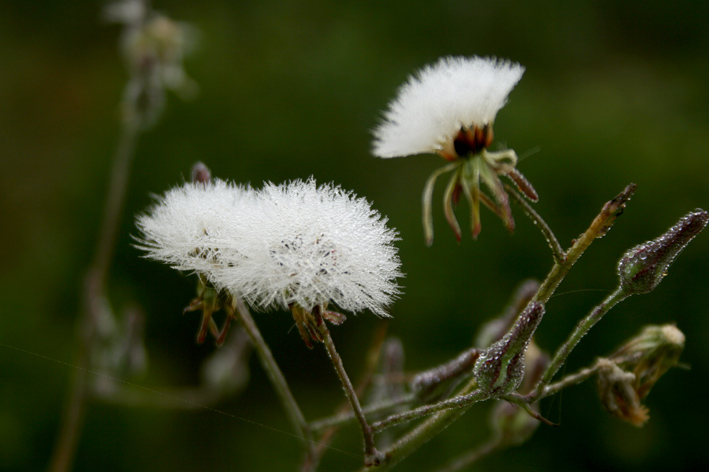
[614, 92]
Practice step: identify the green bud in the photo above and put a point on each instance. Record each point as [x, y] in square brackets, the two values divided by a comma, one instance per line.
[642, 268]
[500, 368]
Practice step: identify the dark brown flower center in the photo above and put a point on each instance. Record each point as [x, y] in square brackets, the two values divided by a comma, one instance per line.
[472, 140]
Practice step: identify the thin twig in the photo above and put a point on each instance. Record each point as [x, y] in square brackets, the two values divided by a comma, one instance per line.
[556, 249]
[579, 332]
[459, 401]
[344, 418]
[344, 412]
[568, 381]
[372, 456]
[278, 381]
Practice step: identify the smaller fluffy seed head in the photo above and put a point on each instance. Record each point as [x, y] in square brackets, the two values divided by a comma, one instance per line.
[310, 245]
[454, 94]
[190, 227]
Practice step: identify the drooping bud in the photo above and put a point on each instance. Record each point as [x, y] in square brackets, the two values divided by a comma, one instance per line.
[626, 377]
[618, 395]
[650, 354]
[642, 268]
[500, 368]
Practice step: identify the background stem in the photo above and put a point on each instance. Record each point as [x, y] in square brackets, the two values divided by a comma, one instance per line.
[93, 299]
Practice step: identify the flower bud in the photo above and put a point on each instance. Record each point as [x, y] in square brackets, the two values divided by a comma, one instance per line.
[627, 376]
[649, 355]
[500, 368]
[642, 268]
[618, 395]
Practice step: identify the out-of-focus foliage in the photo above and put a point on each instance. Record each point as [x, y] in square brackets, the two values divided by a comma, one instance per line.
[613, 92]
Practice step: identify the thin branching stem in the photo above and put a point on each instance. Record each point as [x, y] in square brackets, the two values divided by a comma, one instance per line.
[372, 361]
[579, 332]
[459, 401]
[440, 420]
[374, 408]
[599, 227]
[568, 381]
[275, 376]
[420, 435]
[371, 455]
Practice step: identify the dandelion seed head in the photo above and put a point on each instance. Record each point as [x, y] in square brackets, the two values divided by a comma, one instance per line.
[310, 246]
[441, 99]
[190, 227]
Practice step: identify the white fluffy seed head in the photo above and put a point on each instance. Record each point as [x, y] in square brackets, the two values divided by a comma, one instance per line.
[438, 100]
[311, 246]
[190, 226]
[285, 244]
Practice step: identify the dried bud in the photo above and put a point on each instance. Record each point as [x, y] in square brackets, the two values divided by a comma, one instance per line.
[618, 395]
[650, 354]
[642, 268]
[500, 368]
[627, 376]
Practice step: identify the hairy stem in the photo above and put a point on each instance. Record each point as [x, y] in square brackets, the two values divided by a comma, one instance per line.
[556, 249]
[459, 401]
[372, 456]
[275, 376]
[348, 417]
[568, 381]
[420, 435]
[599, 227]
[579, 331]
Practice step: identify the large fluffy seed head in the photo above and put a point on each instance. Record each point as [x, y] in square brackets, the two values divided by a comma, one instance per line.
[190, 227]
[310, 245]
[440, 99]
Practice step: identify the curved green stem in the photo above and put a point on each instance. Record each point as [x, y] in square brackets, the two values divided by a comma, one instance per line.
[579, 332]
